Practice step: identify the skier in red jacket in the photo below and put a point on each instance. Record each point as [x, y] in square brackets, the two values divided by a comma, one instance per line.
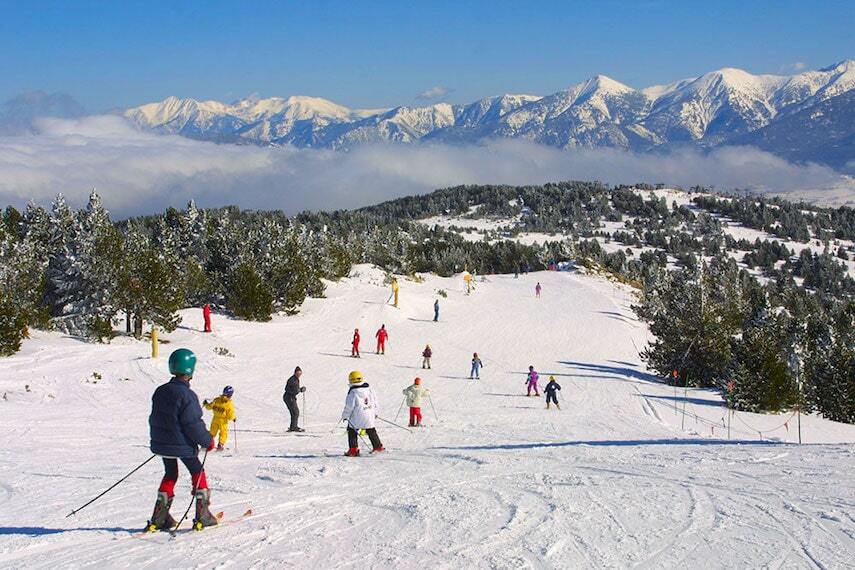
[354, 349]
[382, 335]
[206, 313]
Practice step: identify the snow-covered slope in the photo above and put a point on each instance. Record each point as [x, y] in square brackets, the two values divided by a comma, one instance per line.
[718, 107]
[628, 473]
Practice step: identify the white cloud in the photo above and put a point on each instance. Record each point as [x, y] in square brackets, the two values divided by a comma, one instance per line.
[792, 68]
[139, 172]
[434, 92]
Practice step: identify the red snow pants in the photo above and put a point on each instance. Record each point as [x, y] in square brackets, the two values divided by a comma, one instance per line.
[415, 416]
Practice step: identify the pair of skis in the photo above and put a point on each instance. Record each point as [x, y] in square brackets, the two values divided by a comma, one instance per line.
[221, 521]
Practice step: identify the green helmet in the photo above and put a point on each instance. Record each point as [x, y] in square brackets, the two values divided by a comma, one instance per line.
[182, 361]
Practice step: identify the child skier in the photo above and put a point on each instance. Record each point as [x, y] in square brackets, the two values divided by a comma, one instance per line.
[414, 395]
[177, 431]
[537, 289]
[531, 381]
[476, 367]
[426, 354]
[551, 391]
[360, 411]
[354, 344]
[436, 310]
[224, 412]
[382, 336]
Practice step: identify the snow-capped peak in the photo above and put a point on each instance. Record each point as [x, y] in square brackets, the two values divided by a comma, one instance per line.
[709, 109]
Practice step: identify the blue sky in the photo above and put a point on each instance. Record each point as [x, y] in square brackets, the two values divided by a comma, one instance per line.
[376, 54]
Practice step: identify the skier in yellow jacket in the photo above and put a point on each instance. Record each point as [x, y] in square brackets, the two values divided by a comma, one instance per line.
[395, 289]
[224, 412]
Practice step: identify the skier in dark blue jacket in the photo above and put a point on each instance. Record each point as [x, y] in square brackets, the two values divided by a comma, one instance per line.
[177, 432]
[551, 392]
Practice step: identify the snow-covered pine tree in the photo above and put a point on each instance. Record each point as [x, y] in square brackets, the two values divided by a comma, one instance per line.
[150, 287]
[693, 314]
[84, 269]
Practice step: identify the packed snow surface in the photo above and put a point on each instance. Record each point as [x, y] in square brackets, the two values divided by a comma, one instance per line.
[628, 473]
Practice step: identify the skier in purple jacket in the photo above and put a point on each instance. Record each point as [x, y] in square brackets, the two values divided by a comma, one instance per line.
[531, 382]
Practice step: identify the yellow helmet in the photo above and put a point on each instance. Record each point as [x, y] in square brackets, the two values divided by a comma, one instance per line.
[355, 377]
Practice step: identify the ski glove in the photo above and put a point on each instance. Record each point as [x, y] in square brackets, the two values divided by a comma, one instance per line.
[302, 388]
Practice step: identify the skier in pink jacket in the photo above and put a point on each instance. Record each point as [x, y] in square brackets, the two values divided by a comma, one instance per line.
[531, 382]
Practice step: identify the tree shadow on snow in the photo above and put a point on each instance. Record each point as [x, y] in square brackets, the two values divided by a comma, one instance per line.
[615, 371]
[43, 531]
[695, 401]
[622, 363]
[610, 443]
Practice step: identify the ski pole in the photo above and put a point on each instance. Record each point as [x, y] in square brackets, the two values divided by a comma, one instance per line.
[137, 468]
[394, 424]
[335, 427]
[401, 407]
[433, 408]
[234, 423]
[305, 415]
[192, 499]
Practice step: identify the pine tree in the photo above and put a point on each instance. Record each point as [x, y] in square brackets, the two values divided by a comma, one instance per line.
[150, 285]
[83, 268]
[248, 296]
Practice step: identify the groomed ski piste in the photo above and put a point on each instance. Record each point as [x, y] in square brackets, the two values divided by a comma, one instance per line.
[629, 473]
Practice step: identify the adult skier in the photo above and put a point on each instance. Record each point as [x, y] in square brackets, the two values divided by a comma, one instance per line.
[551, 391]
[426, 354]
[206, 314]
[177, 431]
[436, 310]
[354, 344]
[537, 290]
[382, 336]
[395, 288]
[360, 412]
[414, 395]
[292, 389]
[224, 412]
[531, 382]
[476, 367]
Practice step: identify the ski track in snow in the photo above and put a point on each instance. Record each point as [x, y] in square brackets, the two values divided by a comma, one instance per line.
[496, 481]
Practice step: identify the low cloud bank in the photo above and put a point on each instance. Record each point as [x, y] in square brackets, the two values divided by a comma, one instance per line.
[140, 173]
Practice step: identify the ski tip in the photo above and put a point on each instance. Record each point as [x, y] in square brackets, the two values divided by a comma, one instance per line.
[248, 513]
[219, 516]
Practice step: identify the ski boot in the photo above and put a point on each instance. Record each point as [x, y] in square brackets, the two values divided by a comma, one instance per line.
[203, 513]
[352, 452]
[160, 518]
[220, 447]
[378, 449]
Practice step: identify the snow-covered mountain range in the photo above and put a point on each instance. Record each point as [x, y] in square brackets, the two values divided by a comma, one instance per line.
[720, 107]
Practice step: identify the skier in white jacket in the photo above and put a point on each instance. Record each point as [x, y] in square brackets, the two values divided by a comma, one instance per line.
[360, 411]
